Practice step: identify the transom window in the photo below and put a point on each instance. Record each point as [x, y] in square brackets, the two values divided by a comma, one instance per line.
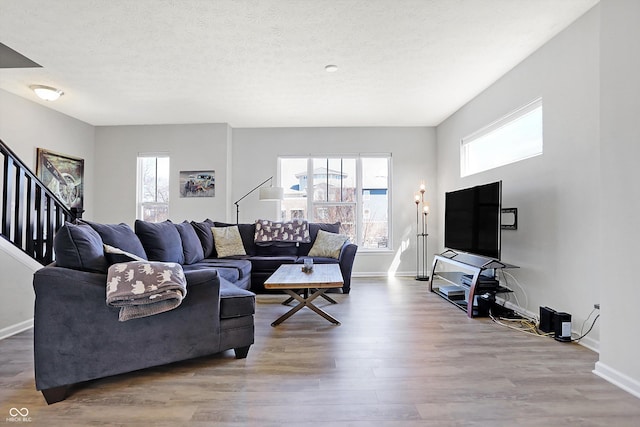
[351, 190]
[516, 136]
[153, 187]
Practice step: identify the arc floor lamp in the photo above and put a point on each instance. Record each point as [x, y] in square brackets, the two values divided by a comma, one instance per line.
[266, 193]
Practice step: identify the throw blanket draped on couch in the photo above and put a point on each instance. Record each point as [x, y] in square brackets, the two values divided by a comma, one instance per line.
[144, 288]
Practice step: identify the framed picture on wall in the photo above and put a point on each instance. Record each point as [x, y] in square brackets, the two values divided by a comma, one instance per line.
[63, 175]
[197, 183]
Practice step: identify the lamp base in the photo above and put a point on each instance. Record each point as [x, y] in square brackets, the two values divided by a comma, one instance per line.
[422, 278]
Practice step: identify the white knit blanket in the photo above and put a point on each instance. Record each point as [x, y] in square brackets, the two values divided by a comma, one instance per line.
[145, 288]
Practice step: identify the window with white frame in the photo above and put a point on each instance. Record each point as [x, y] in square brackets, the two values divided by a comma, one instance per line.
[514, 137]
[351, 190]
[153, 187]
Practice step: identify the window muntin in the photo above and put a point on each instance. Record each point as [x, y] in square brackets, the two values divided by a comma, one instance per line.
[351, 190]
[153, 187]
[515, 137]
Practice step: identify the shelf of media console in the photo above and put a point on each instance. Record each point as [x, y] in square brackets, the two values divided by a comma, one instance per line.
[471, 284]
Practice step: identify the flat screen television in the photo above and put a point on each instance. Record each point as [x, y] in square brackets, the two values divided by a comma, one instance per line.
[472, 220]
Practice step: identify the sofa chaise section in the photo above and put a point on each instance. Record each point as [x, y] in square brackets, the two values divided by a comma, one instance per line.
[77, 337]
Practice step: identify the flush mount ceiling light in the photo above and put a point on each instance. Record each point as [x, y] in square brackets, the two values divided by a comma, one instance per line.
[47, 93]
[331, 68]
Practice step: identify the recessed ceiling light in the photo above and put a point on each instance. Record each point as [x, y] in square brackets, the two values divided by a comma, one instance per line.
[47, 93]
[331, 68]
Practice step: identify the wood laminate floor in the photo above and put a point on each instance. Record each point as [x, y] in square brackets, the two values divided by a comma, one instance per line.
[401, 357]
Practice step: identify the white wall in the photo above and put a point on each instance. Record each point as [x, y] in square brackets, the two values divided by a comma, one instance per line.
[413, 150]
[25, 126]
[620, 151]
[557, 244]
[190, 147]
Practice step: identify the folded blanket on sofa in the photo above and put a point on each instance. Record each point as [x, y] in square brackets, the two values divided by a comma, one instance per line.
[296, 230]
[145, 288]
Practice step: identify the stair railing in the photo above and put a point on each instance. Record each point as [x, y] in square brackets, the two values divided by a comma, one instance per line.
[31, 213]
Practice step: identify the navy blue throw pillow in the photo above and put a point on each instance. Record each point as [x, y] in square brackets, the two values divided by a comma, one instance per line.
[203, 230]
[119, 236]
[79, 247]
[191, 247]
[161, 241]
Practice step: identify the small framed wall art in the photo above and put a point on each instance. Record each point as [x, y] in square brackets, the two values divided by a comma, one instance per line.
[63, 175]
[197, 183]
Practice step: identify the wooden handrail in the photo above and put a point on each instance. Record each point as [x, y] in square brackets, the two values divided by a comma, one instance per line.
[31, 213]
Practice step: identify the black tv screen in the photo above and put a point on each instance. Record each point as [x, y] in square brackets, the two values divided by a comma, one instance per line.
[472, 220]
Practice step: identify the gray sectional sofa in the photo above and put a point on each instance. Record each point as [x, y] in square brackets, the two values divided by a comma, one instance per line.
[78, 337]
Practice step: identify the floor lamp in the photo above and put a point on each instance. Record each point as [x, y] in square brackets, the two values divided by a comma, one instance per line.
[266, 193]
[422, 210]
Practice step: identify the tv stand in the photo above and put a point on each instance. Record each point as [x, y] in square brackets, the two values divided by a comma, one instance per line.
[460, 277]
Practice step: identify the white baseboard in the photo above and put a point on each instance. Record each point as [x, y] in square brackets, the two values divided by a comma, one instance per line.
[18, 255]
[618, 379]
[383, 274]
[15, 329]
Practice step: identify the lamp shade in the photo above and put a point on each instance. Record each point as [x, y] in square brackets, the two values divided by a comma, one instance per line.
[271, 193]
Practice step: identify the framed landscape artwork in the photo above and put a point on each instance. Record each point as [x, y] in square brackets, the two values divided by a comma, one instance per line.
[63, 175]
[197, 183]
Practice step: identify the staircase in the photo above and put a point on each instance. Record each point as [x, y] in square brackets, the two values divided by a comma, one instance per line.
[31, 213]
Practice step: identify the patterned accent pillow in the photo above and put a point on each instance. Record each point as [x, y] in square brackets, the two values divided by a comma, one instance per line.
[227, 241]
[296, 230]
[328, 244]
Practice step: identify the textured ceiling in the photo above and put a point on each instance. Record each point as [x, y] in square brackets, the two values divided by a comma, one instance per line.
[260, 63]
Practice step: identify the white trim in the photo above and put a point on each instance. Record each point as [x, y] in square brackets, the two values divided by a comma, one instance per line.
[154, 154]
[383, 274]
[507, 118]
[16, 329]
[18, 255]
[504, 159]
[617, 378]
